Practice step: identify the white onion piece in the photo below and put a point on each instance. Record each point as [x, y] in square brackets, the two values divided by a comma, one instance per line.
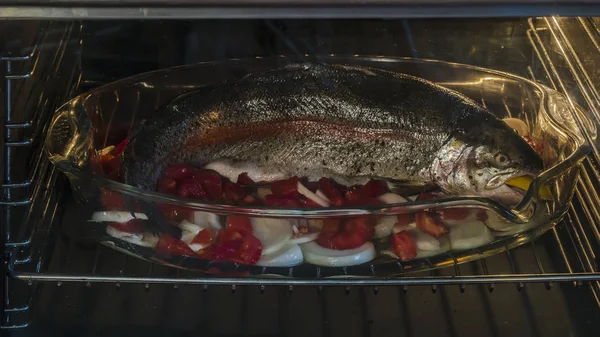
[322, 195]
[288, 256]
[261, 192]
[140, 239]
[189, 231]
[399, 228]
[469, 235]
[425, 241]
[443, 246]
[413, 197]
[310, 195]
[304, 238]
[315, 254]
[272, 233]
[205, 219]
[195, 247]
[391, 198]
[107, 150]
[518, 125]
[187, 226]
[116, 216]
[384, 226]
[315, 224]
[426, 244]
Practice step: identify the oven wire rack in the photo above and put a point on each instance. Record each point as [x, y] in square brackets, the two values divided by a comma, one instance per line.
[31, 207]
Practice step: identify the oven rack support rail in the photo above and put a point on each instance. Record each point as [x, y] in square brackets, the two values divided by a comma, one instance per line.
[576, 239]
[290, 9]
[25, 189]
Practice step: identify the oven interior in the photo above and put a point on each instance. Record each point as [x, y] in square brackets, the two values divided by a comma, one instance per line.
[57, 283]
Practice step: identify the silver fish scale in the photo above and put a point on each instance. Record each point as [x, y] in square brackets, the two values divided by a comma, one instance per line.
[308, 120]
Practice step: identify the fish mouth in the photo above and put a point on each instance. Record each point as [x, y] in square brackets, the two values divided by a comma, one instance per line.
[508, 188]
[514, 188]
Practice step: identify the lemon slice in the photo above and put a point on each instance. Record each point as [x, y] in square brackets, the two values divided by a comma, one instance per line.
[524, 182]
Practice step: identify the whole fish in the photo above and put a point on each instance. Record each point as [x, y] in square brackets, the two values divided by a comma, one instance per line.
[344, 122]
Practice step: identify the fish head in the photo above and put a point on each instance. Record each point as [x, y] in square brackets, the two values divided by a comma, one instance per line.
[481, 164]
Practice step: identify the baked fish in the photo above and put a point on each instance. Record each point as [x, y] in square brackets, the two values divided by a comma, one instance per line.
[343, 122]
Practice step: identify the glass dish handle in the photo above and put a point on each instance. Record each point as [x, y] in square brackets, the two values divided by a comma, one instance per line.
[68, 141]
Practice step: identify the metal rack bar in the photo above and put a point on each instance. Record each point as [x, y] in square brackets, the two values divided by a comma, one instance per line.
[401, 281]
[30, 117]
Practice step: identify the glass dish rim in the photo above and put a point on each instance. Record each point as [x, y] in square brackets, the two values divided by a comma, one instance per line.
[518, 214]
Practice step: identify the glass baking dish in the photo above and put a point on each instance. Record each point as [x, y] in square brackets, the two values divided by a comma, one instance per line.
[84, 127]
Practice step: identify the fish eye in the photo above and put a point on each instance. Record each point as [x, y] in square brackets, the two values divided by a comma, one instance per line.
[501, 159]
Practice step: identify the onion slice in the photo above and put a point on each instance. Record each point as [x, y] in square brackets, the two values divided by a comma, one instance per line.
[304, 238]
[469, 235]
[141, 239]
[315, 254]
[312, 196]
[384, 226]
[391, 198]
[205, 219]
[189, 231]
[288, 256]
[272, 233]
[117, 216]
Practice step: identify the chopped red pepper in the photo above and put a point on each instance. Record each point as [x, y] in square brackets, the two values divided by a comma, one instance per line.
[169, 245]
[167, 186]
[241, 224]
[453, 213]
[204, 238]
[231, 245]
[119, 148]
[179, 172]
[305, 202]
[233, 192]
[428, 224]
[331, 192]
[280, 201]
[175, 213]
[330, 226]
[374, 189]
[191, 188]
[352, 234]
[249, 250]
[131, 226]
[244, 179]
[352, 195]
[537, 146]
[211, 183]
[286, 188]
[112, 201]
[403, 244]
